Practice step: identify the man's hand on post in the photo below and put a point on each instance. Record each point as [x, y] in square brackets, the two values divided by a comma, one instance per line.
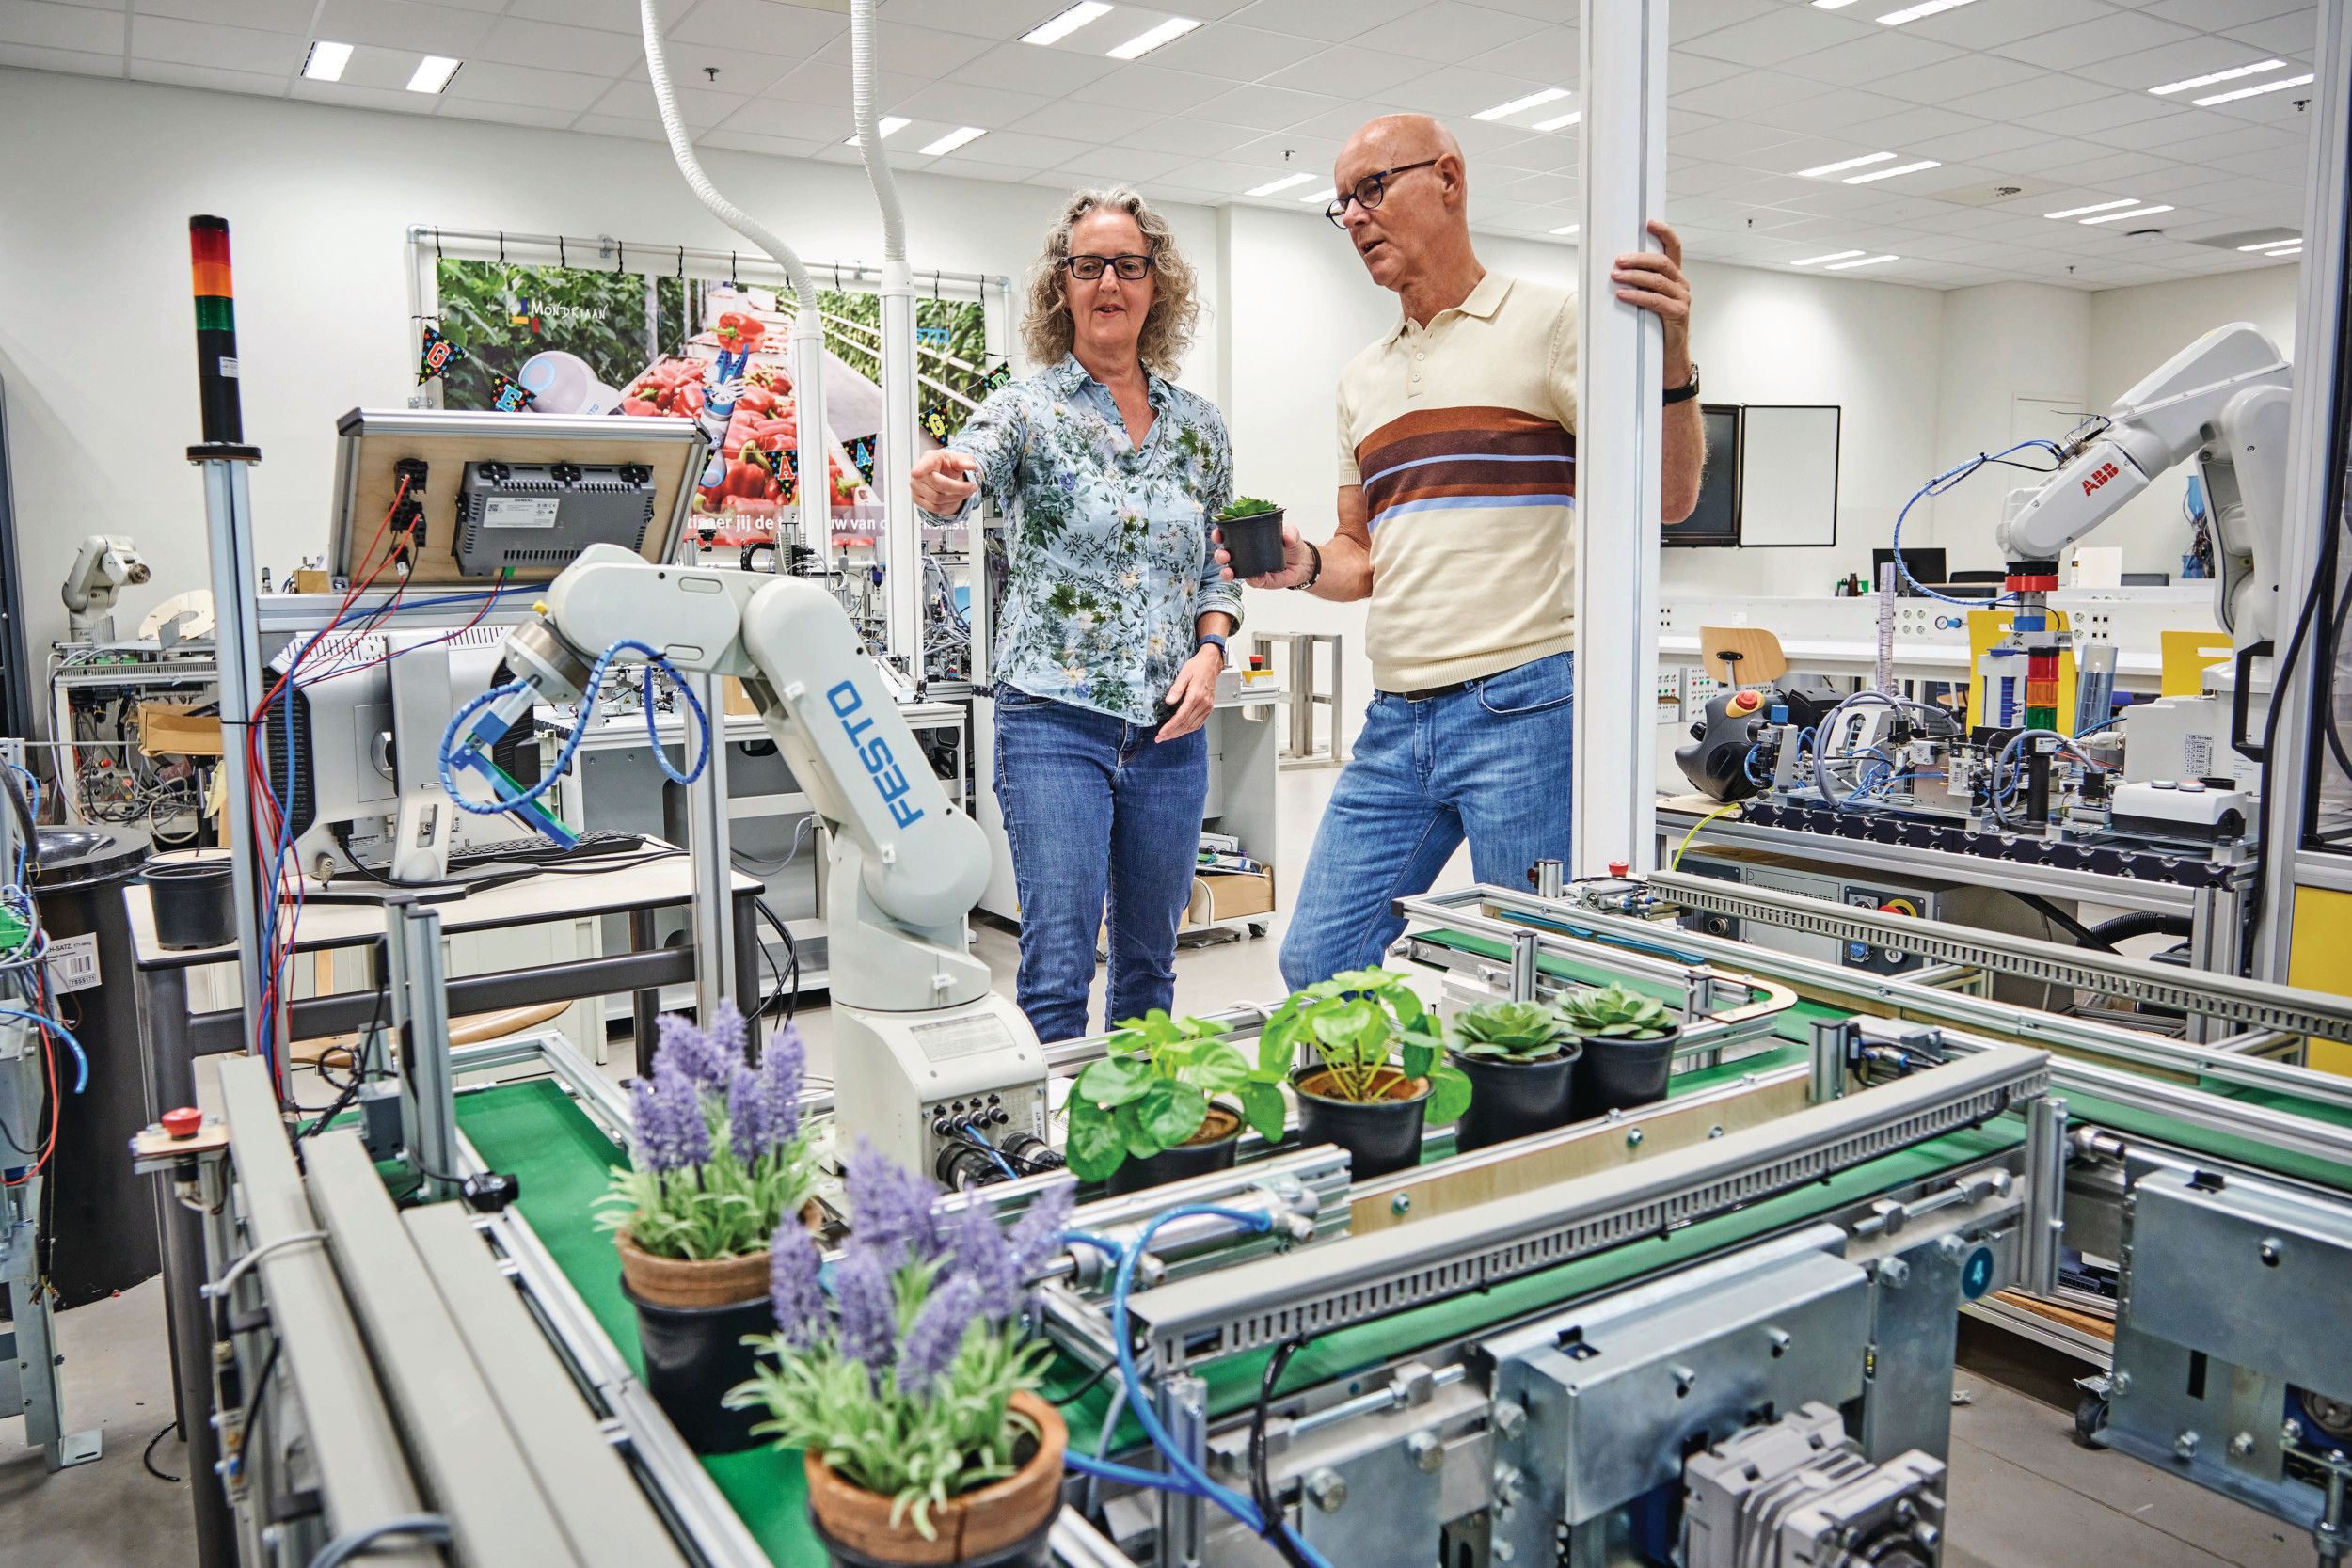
[1653, 280]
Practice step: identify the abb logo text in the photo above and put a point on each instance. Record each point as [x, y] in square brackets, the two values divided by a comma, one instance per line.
[2105, 471]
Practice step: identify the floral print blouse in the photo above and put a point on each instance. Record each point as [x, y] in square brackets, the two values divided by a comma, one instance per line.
[1111, 560]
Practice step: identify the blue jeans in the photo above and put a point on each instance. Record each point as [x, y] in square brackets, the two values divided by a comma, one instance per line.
[1096, 808]
[1490, 764]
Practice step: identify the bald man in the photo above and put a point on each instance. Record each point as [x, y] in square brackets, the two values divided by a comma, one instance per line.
[1457, 519]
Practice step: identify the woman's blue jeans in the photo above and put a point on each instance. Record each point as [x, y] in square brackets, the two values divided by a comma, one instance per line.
[1097, 812]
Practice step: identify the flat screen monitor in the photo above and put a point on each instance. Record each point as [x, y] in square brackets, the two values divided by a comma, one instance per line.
[1926, 566]
[1716, 518]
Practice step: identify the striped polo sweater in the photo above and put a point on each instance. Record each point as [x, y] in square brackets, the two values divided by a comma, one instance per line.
[1463, 435]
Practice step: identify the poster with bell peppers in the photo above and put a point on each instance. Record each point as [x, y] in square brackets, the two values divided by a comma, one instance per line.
[585, 341]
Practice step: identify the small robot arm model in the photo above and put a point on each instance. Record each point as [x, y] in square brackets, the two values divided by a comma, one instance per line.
[930, 1063]
[107, 564]
[2221, 401]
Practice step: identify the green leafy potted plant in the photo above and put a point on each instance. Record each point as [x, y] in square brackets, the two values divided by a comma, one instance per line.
[1520, 1058]
[1252, 533]
[718, 1160]
[1379, 1075]
[902, 1376]
[1629, 1043]
[1155, 1110]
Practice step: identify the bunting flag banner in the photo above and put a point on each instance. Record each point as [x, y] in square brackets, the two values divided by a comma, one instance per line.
[437, 355]
[935, 422]
[506, 397]
[999, 378]
[862, 454]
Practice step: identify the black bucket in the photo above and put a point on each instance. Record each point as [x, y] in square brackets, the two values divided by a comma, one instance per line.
[195, 900]
[1381, 1137]
[1175, 1164]
[1511, 1097]
[1030, 1551]
[694, 1355]
[1253, 545]
[1619, 1074]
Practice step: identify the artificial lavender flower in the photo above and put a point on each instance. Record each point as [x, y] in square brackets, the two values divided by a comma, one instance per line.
[1037, 1238]
[793, 1265]
[982, 1256]
[671, 1132]
[743, 1115]
[937, 1334]
[782, 1066]
[869, 1308]
[890, 1208]
[708, 1056]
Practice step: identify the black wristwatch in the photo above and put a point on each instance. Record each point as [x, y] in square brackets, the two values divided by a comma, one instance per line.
[1314, 573]
[1211, 639]
[1688, 390]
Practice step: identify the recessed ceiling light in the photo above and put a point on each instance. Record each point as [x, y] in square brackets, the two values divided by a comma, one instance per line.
[2281, 84]
[433, 73]
[1890, 173]
[1833, 256]
[1282, 185]
[1925, 8]
[1830, 4]
[1326, 193]
[1565, 119]
[1570, 228]
[2119, 217]
[2291, 250]
[326, 61]
[953, 140]
[1865, 262]
[1534, 99]
[1143, 43]
[890, 126]
[2230, 75]
[1055, 28]
[2273, 245]
[1843, 165]
[2094, 207]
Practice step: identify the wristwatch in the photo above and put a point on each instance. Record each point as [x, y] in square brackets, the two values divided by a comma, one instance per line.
[1314, 572]
[1211, 639]
[1685, 393]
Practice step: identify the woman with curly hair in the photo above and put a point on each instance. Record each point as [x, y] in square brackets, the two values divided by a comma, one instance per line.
[1115, 620]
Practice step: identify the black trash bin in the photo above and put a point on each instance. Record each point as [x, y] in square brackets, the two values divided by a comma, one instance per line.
[102, 1228]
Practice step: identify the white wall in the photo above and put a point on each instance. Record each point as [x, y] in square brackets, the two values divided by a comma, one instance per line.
[2003, 349]
[2135, 330]
[97, 333]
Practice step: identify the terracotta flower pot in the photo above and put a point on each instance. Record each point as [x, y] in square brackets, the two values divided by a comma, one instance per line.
[691, 1281]
[979, 1527]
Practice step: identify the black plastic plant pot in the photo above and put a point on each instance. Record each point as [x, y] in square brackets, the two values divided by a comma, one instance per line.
[1381, 1137]
[1254, 543]
[1031, 1551]
[694, 1355]
[1512, 1097]
[1619, 1074]
[1185, 1160]
[195, 904]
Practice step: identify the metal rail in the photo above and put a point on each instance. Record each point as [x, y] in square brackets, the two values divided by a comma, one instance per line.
[2251, 1003]
[1375, 1275]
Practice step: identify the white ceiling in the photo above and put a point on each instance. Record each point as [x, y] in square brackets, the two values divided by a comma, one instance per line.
[2048, 95]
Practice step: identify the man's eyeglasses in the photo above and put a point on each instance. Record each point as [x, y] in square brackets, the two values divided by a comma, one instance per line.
[1089, 268]
[1368, 192]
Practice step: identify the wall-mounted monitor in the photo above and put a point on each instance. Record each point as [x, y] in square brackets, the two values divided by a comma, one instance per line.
[1716, 519]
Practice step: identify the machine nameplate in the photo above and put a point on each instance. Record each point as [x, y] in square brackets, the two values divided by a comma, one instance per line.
[71, 962]
[519, 512]
[954, 1037]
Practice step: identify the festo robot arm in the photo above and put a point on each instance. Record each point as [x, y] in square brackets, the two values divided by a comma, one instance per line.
[2222, 400]
[107, 564]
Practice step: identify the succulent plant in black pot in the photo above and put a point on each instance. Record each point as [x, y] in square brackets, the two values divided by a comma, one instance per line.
[1520, 1058]
[1629, 1043]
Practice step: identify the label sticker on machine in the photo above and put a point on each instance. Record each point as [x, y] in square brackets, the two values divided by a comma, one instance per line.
[2197, 755]
[73, 962]
[519, 512]
[953, 1038]
[1975, 1274]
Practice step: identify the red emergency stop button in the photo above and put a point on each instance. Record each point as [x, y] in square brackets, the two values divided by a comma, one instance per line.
[1619, 868]
[183, 1122]
[1899, 906]
[1744, 703]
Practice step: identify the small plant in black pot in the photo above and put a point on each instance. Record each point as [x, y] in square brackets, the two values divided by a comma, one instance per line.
[1379, 1075]
[1629, 1043]
[1520, 1058]
[1251, 531]
[1170, 1102]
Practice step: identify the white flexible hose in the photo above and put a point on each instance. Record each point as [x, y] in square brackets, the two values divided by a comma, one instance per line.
[808, 330]
[862, 95]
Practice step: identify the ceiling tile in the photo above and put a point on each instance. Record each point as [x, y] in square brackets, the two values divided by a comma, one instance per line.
[1459, 90]
[1196, 137]
[2116, 166]
[990, 19]
[271, 16]
[2153, 68]
[1287, 152]
[349, 95]
[2221, 15]
[609, 16]
[1820, 111]
[1732, 142]
[1008, 147]
[761, 24]
[1986, 144]
[211, 78]
[403, 24]
[506, 114]
[1685, 72]
[1345, 70]
[1741, 95]
[1168, 92]
[1331, 21]
[2223, 144]
[924, 51]
[2297, 34]
[1539, 187]
[1122, 166]
[2116, 33]
[1549, 54]
[1691, 19]
[1903, 130]
[522, 84]
[697, 108]
[1086, 122]
[164, 38]
[1446, 30]
[77, 28]
[1781, 35]
[1956, 78]
[1265, 108]
[1025, 68]
[1868, 61]
[771, 116]
[1345, 122]
[1999, 21]
[744, 141]
[1237, 54]
[2104, 113]
[820, 82]
[2044, 92]
[512, 40]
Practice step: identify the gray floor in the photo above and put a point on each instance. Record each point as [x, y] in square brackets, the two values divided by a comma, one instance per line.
[2024, 1496]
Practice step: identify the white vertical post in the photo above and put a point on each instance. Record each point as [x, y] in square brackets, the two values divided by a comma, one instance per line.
[2315, 469]
[808, 399]
[902, 532]
[1619, 437]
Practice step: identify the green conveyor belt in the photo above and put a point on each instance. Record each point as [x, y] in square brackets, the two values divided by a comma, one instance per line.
[2084, 1107]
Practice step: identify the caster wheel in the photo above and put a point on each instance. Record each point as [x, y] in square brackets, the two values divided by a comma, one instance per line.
[2091, 1420]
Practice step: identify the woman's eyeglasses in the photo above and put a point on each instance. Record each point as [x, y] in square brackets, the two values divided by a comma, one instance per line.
[1368, 192]
[1087, 269]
